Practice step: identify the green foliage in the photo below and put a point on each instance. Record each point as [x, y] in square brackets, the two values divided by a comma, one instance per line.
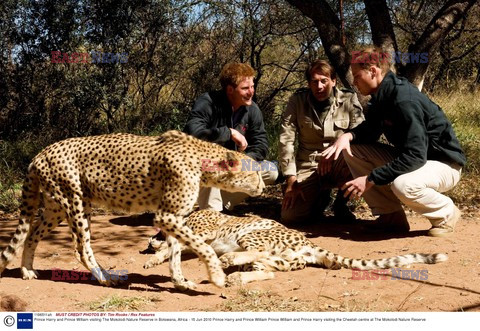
[9, 189]
[461, 107]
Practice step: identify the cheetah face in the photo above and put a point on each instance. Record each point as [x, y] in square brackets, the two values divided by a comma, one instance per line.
[231, 174]
[249, 182]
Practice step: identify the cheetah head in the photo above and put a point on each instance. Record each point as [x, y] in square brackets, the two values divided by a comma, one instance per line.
[233, 173]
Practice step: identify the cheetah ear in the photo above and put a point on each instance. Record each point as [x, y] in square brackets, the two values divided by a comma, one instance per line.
[232, 156]
[234, 160]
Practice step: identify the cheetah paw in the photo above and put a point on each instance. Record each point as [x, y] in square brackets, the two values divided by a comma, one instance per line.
[227, 260]
[152, 262]
[234, 279]
[29, 273]
[185, 285]
[218, 278]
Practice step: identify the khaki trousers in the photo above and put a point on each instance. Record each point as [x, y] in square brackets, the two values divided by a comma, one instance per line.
[216, 199]
[421, 190]
[316, 190]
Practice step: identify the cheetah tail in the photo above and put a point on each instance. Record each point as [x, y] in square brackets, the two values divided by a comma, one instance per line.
[30, 203]
[334, 261]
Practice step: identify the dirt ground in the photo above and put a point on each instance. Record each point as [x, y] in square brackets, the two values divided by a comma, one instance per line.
[117, 241]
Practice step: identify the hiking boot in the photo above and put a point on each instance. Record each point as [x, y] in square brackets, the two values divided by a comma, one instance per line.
[395, 222]
[324, 199]
[340, 209]
[447, 227]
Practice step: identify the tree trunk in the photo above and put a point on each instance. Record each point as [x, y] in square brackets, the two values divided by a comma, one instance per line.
[381, 26]
[329, 29]
[438, 28]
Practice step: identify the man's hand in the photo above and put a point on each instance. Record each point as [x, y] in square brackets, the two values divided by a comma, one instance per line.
[239, 140]
[324, 166]
[292, 192]
[343, 142]
[354, 189]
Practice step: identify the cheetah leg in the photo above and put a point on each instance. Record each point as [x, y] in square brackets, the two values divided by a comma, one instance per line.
[277, 263]
[175, 229]
[295, 259]
[52, 215]
[80, 225]
[161, 254]
[175, 251]
[241, 258]
[28, 210]
[263, 269]
[244, 277]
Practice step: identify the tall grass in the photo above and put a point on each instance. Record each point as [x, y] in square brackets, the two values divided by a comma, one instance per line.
[462, 107]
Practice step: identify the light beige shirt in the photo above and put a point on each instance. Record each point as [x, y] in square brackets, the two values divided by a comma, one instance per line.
[302, 120]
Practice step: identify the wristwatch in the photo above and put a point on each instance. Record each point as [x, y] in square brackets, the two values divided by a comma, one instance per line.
[369, 179]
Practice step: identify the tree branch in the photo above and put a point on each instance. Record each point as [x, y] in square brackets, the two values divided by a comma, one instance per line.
[438, 28]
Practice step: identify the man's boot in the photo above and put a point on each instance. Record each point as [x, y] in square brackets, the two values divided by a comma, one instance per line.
[323, 201]
[342, 212]
[395, 222]
[446, 228]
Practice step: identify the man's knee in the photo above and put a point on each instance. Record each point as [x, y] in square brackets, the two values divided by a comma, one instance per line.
[404, 186]
[292, 215]
[270, 176]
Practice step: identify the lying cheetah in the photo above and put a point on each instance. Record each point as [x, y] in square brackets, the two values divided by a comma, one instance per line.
[262, 246]
[133, 173]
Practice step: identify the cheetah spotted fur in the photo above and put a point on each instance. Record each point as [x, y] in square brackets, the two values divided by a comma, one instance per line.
[161, 174]
[262, 246]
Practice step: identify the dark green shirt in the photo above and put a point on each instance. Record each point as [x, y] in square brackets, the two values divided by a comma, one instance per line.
[415, 125]
[211, 119]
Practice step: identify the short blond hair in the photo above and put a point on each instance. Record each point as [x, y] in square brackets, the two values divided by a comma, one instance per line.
[372, 56]
[235, 72]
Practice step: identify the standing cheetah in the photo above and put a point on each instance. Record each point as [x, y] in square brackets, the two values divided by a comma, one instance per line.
[262, 246]
[162, 174]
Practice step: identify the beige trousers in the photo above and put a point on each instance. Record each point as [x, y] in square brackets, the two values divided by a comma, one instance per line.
[421, 190]
[216, 199]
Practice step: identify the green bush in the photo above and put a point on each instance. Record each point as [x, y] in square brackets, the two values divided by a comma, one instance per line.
[14, 160]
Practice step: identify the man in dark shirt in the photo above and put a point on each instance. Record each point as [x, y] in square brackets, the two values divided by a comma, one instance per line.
[230, 117]
[423, 161]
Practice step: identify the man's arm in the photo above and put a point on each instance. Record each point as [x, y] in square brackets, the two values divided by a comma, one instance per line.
[412, 146]
[286, 146]
[286, 151]
[200, 123]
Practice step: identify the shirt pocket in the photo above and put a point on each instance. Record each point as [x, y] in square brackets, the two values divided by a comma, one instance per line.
[341, 123]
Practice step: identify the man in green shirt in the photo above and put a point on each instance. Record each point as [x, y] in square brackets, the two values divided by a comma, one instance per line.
[423, 161]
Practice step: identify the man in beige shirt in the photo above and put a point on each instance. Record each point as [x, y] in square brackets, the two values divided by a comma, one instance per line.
[316, 117]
